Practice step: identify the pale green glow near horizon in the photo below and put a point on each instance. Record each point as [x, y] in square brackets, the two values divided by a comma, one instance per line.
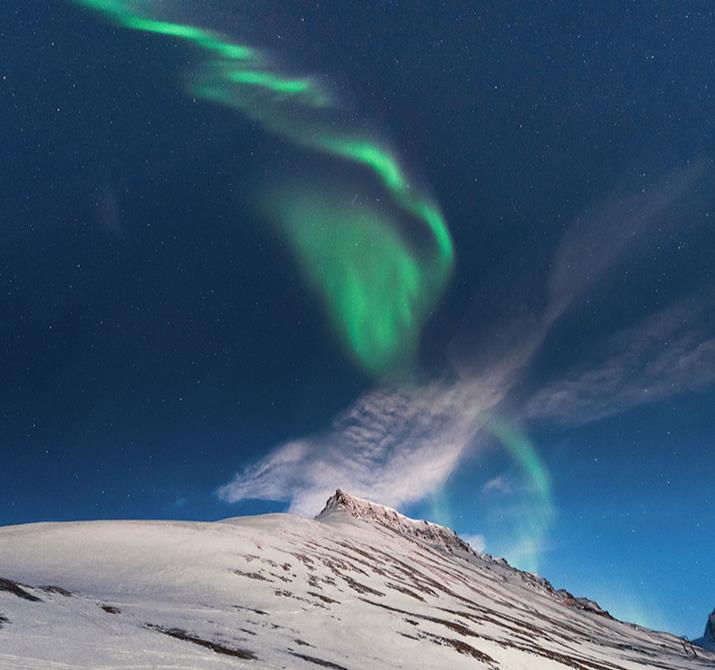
[534, 526]
[377, 302]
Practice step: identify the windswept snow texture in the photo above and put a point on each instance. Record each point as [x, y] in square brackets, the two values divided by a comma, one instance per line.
[359, 587]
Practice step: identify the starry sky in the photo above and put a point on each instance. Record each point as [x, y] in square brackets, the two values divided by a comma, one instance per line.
[455, 257]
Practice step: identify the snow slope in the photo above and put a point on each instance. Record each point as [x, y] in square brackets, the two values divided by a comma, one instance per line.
[359, 587]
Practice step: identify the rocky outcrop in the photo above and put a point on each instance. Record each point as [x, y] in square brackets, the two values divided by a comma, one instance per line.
[708, 639]
[358, 508]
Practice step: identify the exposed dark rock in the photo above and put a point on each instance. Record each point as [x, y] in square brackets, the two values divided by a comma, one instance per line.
[17, 590]
[318, 661]
[214, 646]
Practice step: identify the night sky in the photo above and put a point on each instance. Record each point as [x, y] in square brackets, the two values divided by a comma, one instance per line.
[217, 301]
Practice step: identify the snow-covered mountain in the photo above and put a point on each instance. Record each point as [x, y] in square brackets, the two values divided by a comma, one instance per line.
[358, 508]
[708, 639]
[361, 586]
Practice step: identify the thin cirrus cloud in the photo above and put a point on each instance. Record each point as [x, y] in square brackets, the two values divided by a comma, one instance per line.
[602, 235]
[498, 484]
[664, 354]
[400, 444]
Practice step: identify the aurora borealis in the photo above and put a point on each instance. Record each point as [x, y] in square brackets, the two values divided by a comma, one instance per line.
[378, 288]
[359, 264]
[453, 257]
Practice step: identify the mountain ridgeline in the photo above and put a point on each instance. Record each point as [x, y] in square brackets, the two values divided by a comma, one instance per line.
[361, 585]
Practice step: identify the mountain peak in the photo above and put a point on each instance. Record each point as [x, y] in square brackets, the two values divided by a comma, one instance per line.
[341, 504]
[708, 638]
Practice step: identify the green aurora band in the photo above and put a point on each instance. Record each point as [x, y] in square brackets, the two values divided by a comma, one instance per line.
[534, 526]
[350, 259]
[523, 542]
[378, 287]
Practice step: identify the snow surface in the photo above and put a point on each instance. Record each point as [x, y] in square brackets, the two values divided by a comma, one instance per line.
[359, 587]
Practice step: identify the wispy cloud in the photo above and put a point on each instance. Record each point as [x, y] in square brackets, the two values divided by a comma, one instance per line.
[498, 484]
[477, 542]
[392, 445]
[400, 444]
[604, 233]
[662, 355]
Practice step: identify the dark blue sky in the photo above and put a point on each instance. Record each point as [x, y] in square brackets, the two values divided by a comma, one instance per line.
[158, 337]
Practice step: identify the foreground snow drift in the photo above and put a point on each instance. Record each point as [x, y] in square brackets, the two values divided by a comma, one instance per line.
[357, 588]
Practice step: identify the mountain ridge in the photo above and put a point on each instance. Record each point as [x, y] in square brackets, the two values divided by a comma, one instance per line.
[387, 517]
[441, 537]
[279, 591]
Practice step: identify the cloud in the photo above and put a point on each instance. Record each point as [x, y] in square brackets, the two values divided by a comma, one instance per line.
[108, 210]
[477, 542]
[498, 484]
[662, 355]
[392, 445]
[598, 238]
[601, 235]
[400, 444]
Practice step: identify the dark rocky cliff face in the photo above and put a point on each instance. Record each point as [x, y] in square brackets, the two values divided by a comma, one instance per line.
[708, 638]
